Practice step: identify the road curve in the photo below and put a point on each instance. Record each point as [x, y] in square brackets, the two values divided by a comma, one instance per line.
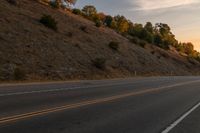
[139, 105]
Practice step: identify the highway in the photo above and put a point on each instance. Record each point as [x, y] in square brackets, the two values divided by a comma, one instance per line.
[134, 105]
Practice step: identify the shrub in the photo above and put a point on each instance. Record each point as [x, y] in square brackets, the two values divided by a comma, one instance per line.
[142, 43]
[13, 2]
[164, 46]
[135, 40]
[49, 22]
[19, 74]
[192, 60]
[77, 11]
[114, 45]
[64, 7]
[99, 63]
[69, 34]
[153, 52]
[54, 4]
[98, 23]
[198, 59]
[46, 1]
[83, 28]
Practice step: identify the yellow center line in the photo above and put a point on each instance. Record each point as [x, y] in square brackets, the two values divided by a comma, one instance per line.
[85, 103]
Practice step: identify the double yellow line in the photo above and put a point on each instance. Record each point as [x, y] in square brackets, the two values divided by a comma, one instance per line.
[14, 118]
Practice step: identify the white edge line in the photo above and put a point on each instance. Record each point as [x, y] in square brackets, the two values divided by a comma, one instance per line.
[63, 89]
[60, 89]
[86, 87]
[174, 124]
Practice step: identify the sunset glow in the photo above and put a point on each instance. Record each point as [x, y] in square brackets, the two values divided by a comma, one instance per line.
[182, 15]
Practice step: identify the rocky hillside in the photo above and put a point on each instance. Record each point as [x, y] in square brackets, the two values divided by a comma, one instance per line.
[77, 50]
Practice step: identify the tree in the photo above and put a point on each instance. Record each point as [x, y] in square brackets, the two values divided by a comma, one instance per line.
[149, 27]
[122, 24]
[179, 47]
[195, 55]
[102, 17]
[108, 21]
[188, 48]
[146, 35]
[55, 4]
[163, 29]
[76, 11]
[167, 37]
[113, 25]
[135, 30]
[158, 39]
[89, 10]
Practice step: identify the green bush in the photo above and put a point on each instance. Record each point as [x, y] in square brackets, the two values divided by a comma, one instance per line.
[19, 74]
[114, 45]
[54, 4]
[49, 22]
[77, 11]
[99, 63]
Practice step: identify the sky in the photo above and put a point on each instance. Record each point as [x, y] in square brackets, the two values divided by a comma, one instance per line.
[183, 16]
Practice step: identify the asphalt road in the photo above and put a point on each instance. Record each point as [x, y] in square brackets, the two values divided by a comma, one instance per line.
[138, 105]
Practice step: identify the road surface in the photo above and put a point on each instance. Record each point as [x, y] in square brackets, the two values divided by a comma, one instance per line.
[138, 105]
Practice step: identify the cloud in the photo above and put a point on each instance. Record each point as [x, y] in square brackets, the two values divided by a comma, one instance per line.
[161, 4]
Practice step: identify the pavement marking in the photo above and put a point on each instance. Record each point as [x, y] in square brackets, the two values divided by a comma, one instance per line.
[58, 82]
[85, 103]
[179, 120]
[63, 89]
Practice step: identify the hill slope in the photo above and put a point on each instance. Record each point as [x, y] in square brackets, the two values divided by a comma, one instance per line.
[27, 47]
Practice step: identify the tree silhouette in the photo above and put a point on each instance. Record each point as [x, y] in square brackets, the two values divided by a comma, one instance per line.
[89, 10]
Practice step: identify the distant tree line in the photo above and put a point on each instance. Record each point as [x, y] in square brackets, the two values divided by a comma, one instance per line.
[159, 34]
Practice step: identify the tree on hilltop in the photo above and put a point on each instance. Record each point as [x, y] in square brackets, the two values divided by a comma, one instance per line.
[89, 10]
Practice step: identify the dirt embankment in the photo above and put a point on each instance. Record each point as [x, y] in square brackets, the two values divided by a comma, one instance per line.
[32, 51]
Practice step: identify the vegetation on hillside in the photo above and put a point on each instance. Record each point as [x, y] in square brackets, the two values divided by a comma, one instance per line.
[49, 22]
[159, 34]
[103, 47]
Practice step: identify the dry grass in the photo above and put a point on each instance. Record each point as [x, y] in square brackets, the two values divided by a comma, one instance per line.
[69, 52]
